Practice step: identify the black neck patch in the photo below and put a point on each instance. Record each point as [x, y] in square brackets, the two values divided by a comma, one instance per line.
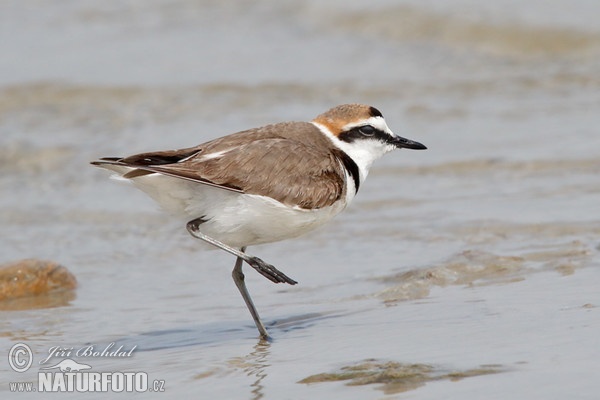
[350, 166]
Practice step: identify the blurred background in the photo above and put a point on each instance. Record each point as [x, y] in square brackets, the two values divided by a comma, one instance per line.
[482, 250]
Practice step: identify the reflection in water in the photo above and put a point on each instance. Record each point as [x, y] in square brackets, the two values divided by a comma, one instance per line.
[48, 300]
[258, 367]
[255, 365]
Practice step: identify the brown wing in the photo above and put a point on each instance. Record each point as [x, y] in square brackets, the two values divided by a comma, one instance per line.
[296, 169]
[285, 170]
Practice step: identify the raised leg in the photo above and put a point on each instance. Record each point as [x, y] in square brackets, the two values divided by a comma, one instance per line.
[238, 278]
[266, 270]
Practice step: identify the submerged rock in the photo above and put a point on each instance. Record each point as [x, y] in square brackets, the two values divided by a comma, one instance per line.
[395, 377]
[31, 278]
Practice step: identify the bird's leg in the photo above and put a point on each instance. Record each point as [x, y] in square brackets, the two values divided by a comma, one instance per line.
[266, 270]
[238, 278]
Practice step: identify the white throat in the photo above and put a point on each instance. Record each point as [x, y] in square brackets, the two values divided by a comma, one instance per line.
[363, 153]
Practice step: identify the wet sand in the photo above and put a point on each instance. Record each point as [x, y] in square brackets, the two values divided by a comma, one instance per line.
[469, 270]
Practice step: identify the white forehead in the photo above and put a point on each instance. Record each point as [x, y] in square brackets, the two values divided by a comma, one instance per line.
[376, 122]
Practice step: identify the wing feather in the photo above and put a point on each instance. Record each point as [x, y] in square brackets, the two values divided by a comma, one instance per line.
[297, 170]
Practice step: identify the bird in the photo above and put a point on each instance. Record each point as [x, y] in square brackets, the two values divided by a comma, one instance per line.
[265, 184]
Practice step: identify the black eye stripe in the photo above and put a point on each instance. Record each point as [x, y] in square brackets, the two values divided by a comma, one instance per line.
[363, 133]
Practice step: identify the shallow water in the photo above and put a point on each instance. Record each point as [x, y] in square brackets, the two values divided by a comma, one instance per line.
[481, 251]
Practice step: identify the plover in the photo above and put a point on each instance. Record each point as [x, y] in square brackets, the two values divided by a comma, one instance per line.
[265, 184]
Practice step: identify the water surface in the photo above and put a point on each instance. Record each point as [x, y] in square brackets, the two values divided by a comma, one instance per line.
[481, 251]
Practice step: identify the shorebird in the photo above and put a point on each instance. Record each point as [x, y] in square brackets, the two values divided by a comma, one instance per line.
[264, 184]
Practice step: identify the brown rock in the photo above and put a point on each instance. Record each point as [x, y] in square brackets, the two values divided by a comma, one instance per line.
[32, 277]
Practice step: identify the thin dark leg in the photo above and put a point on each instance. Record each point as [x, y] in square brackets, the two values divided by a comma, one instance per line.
[266, 270]
[238, 278]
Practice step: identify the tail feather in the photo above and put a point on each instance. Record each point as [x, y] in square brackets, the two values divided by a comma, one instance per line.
[113, 164]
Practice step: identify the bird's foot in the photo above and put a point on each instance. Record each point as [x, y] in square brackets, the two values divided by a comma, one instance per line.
[269, 271]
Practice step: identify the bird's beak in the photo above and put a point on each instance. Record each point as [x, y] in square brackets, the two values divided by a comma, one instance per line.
[401, 142]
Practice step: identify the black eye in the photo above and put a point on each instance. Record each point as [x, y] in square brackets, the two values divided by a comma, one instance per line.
[367, 130]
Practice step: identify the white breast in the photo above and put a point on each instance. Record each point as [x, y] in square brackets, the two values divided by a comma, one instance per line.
[236, 219]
